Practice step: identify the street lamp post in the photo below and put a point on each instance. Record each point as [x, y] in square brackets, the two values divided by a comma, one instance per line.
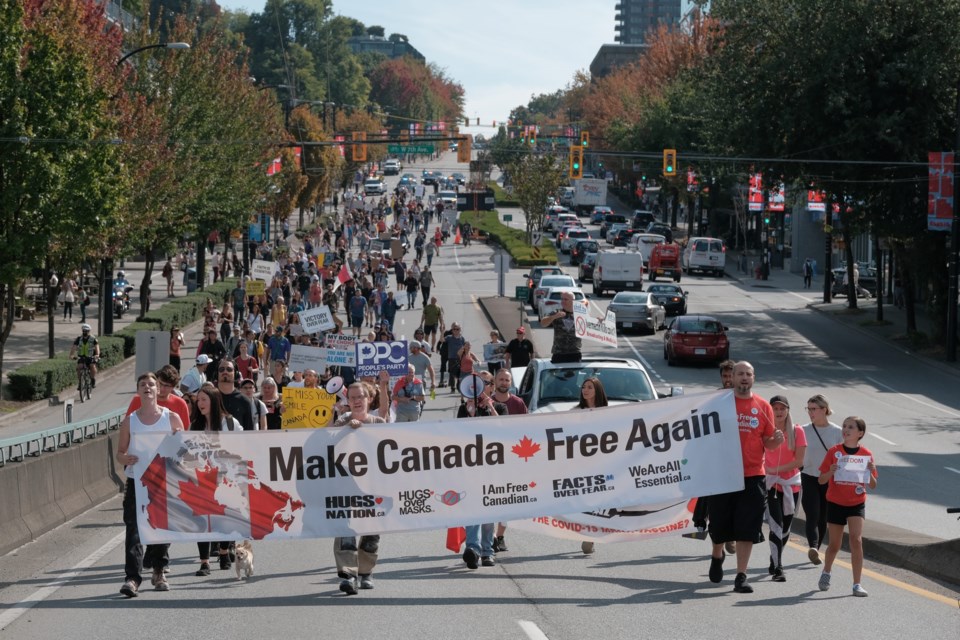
[106, 264]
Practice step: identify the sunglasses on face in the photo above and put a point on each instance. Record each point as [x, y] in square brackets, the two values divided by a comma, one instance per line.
[225, 369]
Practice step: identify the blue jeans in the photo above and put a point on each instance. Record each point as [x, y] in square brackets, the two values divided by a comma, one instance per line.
[480, 538]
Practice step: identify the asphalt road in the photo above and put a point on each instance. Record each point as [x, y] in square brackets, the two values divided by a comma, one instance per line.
[65, 583]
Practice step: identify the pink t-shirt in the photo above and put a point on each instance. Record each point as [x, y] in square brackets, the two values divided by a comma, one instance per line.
[783, 455]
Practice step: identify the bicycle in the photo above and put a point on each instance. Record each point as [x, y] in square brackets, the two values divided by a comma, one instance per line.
[86, 382]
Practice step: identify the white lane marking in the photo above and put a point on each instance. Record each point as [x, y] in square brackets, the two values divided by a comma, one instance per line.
[644, 361]
[9, 616]
[780, 385]
[845, 366]
[926, 404]
[456, 257]
[952, 469]
[804, 298]
[882, 439]
[532, 630]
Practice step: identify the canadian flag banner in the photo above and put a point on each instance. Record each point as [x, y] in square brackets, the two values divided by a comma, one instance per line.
[274, 167]
[631, 468]
[343, 277]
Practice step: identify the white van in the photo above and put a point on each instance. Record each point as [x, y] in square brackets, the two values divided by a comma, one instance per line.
[643, 243]
[618, 271]
[707, 255]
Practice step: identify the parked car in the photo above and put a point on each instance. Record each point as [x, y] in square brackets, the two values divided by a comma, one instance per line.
[581, 248]
[609, 219]
[585, 268]
[671, 296]
[546, 282]
[695, 338]
[637, 310]
[707, 255]
[598, 213]
[574, 235]
[660, 229]
[533, 279]
[547, 386]
[867, 282]
[550, 302]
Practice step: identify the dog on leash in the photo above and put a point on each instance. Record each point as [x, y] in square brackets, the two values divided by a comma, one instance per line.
[244, 564]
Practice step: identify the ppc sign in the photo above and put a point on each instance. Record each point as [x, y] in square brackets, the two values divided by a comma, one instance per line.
[374, 357]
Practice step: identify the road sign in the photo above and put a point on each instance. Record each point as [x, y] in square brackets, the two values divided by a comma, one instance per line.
[536, 237]
[522, 293]
[536, 253]
[508, 217]
[410, 148]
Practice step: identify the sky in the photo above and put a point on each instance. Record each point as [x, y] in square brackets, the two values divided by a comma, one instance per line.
[501, 51]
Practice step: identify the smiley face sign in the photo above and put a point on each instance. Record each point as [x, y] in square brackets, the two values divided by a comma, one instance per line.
[307, 408]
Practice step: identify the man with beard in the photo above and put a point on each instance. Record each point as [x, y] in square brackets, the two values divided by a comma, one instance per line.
[236, 404]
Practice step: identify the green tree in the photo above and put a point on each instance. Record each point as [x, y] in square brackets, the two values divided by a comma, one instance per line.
[535, 178]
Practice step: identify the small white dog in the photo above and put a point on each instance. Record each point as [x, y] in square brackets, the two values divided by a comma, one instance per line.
[244, 564]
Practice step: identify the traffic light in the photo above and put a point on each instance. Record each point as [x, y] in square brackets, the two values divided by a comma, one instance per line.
[584, 139]
[766, 218]
[359, 146]
[463, 149]
[669, 162]
[576, 163]
[533, 137]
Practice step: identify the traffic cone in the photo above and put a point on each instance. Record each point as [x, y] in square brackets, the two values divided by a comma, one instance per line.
[457, 239]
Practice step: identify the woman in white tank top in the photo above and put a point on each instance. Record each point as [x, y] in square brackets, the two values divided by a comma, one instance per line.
[149, 418]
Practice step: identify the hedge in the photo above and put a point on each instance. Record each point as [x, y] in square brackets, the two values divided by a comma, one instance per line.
[502, 198]
[46, 378]
[513, 240]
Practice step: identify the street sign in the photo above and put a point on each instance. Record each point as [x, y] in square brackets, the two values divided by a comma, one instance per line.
[536, 237]
[522, 294]
[508, 217]
[410, 148]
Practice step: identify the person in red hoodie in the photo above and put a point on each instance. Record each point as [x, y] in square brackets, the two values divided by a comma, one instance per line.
[848, 470]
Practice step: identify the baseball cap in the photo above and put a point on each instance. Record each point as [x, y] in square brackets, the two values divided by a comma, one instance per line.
[780, 400]
[203, 359]
[247, 381]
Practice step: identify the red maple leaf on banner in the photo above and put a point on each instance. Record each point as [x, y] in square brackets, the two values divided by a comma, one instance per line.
[532, 484]
[526, 449]
[200, 496]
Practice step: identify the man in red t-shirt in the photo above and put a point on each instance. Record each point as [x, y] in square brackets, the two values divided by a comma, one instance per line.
[739, 515]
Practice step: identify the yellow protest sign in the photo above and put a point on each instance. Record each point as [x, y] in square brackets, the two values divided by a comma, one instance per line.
[256, 287]
[307, 408]
[320, 259]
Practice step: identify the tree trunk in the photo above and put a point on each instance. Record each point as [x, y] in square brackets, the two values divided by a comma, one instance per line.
[906, 281]
[151, 260]
[51, 306]
[877, 252]
[848, 253]
[7, 295]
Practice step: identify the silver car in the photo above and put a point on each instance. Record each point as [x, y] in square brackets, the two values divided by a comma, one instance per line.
[638, 310]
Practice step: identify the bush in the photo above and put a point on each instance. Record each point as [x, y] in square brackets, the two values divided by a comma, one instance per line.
[502, 198]
[514, 241]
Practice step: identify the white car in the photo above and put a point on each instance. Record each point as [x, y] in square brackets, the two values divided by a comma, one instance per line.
[391, 167]
[448, 198]
[374, 187]
[550, 302]
[573, 235]
[547, 282]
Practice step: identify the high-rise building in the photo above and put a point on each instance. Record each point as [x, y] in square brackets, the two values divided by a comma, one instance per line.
[635, 18]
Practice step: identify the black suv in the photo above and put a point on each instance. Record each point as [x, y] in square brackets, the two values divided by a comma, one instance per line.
[582, 248]
[642, 218]
[661, 229]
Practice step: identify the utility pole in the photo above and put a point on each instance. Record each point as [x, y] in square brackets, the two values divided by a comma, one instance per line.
[954, 248]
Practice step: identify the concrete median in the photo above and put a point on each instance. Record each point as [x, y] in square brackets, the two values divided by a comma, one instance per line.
[41, 493]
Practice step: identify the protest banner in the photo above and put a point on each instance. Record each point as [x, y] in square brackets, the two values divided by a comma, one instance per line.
[256, 287]
[601, 330]
[317, 319]
[624, 524]
[263, 270]
[303, 357]
[306, 483]
[374, 357]
[341, 350]
[307, 408]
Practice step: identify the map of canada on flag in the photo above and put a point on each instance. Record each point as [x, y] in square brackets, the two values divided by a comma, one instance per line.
[210, 489]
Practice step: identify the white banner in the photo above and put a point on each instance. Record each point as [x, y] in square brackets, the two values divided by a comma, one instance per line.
[341, 350]
[263, 270]
[303, 357]
[433, 475]
[602, 330]
[624, 524]
[317, 319]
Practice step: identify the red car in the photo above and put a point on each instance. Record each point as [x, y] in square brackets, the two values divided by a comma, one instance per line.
[695, 339]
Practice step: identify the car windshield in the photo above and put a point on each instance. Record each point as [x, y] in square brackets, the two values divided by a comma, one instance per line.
[630, 298]
[563, 385]
[556, 281]
[663, 288]
[698, 325]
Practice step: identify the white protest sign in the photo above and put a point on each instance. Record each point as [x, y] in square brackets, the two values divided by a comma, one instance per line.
[317, 319]
[263, 270]
[852, 469]
[341, 350]
[602, 330]
[303, 357]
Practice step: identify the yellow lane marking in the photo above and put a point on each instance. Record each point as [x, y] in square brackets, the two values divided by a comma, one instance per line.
[929, 595]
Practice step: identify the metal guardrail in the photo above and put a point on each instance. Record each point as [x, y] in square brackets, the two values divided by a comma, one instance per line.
[18, 448]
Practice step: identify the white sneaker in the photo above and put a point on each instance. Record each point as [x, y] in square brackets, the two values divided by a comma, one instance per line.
[824, 583]
[814, 555]
[859, 591]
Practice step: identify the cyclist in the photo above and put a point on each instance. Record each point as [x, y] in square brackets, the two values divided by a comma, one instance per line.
[86, 350]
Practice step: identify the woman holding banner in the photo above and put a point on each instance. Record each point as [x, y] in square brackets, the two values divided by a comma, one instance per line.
[592, 396]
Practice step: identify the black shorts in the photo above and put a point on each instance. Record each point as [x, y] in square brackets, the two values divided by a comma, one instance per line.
[838, 513]
[429, 328]
[739, 515]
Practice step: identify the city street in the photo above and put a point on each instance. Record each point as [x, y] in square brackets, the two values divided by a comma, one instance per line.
[65, 584]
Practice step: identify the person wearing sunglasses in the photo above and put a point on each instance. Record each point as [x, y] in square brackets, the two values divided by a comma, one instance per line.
[237, 404]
